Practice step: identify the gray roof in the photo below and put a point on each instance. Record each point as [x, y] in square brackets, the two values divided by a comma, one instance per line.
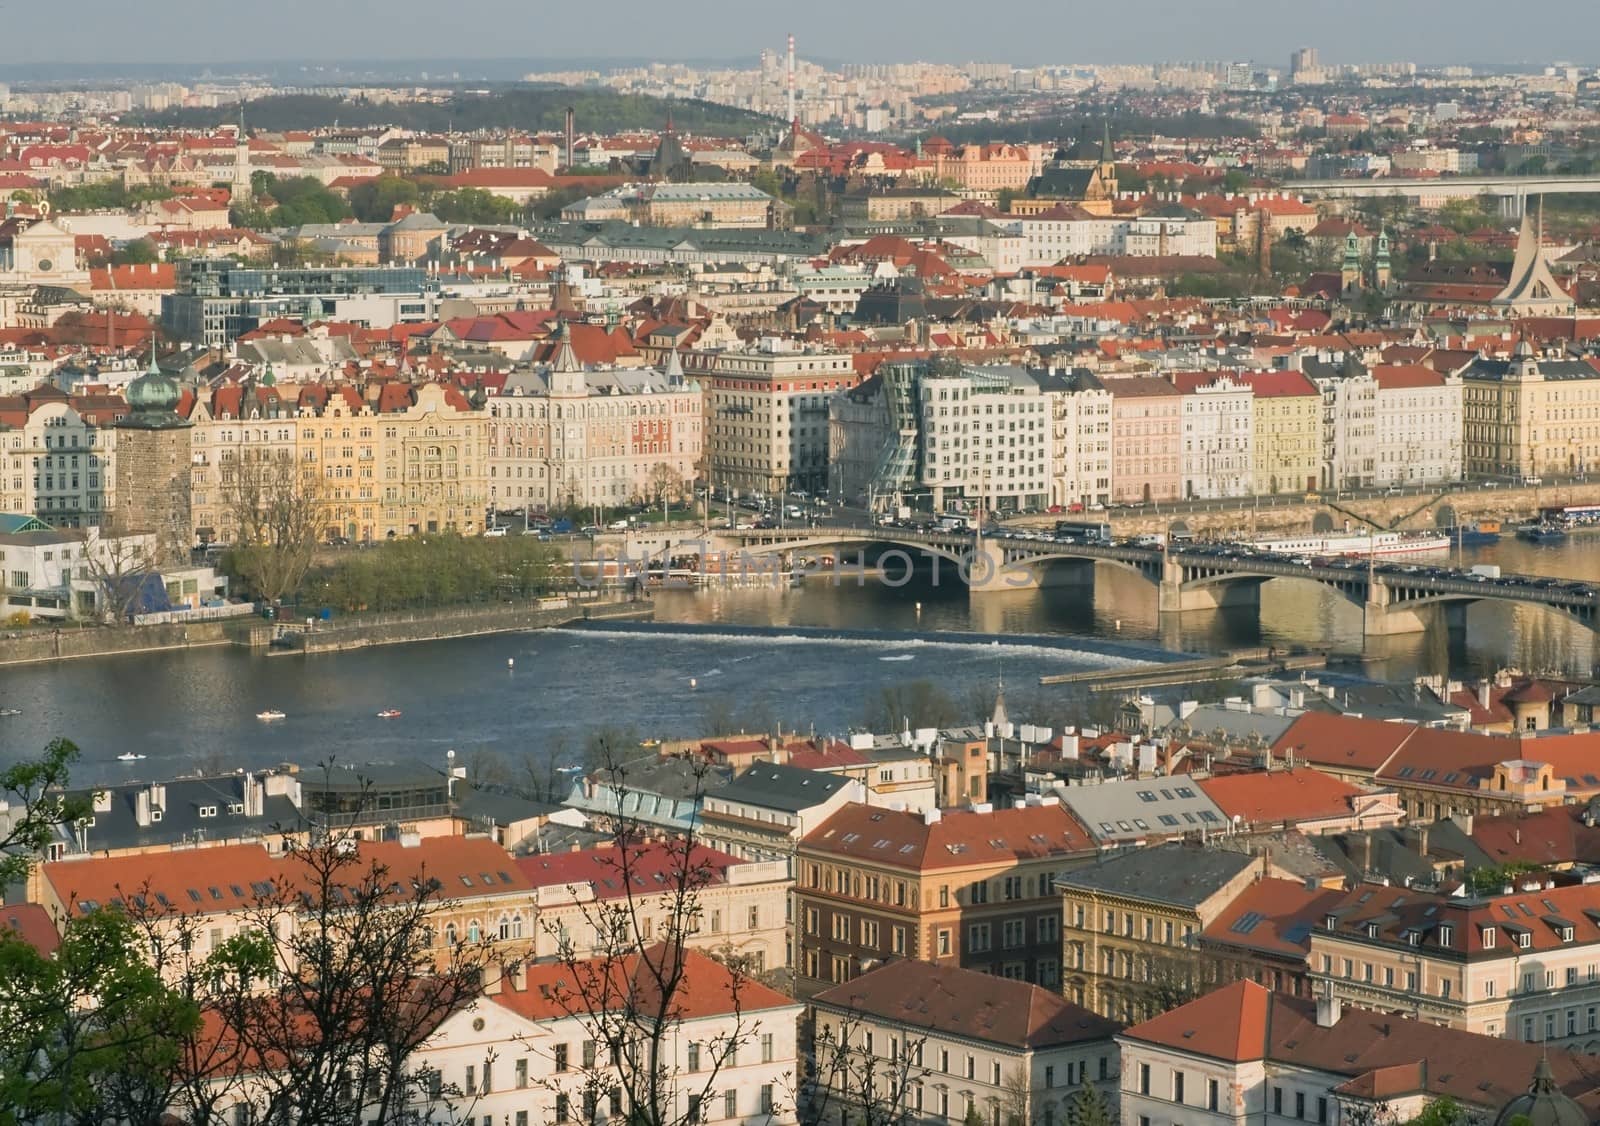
[785, 788]
[1176, 874]
[1484, 368]
[418, 221]
[1133, 809]
[118, 827]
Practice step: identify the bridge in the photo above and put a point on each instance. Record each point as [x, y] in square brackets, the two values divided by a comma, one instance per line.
[1511, 191]
[1392, 599]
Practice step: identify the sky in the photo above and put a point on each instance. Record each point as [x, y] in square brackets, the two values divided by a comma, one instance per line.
[1022, 31]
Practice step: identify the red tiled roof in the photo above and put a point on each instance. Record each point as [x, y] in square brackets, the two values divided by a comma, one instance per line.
[1300, 794]
[705, 987]
[1343, 742]
[31, 923]
[958, 839]
[652, 868]
[224, 883]
[1400, 377]
[1272, 916]
[1229, 1024]
[949, 1001]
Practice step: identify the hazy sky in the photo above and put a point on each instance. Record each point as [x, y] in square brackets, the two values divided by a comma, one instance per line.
[197, 31]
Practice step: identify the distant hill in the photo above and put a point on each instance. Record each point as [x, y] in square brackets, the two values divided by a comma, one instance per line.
[520, 107]
[1066, 128]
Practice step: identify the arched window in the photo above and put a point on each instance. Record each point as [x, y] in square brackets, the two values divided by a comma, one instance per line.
[450, 934]
[474, 931]
[505, 926]
[516, 925]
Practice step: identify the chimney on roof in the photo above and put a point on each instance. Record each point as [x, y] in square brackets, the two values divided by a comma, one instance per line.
[1329, 1009]
[1365, 846]
[1483, 694]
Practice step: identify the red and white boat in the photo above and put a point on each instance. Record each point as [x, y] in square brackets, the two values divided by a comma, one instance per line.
[389, 713]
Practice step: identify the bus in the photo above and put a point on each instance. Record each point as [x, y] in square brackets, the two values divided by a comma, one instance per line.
[1089, 531]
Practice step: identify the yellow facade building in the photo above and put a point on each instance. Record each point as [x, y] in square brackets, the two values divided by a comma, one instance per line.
[1288, 431]
[1531, 416]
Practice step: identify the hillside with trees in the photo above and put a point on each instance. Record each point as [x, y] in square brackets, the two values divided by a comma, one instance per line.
[517, 107]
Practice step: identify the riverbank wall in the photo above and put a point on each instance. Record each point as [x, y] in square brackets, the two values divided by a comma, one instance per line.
[40, 646]
[71, 642]
[407, 626]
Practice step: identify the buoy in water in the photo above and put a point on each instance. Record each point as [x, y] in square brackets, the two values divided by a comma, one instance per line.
[919, 607]
[693, 683]
[1119, 625]
[511, 662]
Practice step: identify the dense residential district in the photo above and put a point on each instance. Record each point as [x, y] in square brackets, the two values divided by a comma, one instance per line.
[262, 373]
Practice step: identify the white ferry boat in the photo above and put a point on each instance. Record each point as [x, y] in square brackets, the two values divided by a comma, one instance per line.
[1372, 543]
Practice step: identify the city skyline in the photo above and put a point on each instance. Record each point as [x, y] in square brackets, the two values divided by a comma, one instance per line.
[1370, 31]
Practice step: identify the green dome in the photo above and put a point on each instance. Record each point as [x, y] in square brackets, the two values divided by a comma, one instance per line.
[1544, 1104]
[153, 393]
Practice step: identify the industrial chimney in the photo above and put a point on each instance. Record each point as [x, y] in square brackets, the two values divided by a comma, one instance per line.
[571, 137]
[791, 79]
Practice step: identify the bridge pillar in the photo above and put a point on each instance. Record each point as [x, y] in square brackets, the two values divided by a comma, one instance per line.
[988, 571]
[1383, 619]
[1173, 597]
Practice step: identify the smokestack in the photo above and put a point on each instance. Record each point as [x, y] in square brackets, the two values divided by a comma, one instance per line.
[791, 79]
[571, 134]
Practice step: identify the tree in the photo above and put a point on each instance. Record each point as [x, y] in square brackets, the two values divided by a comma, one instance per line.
[1088, 1106]
[33, 798]
[1016, 1098]
[276, 509]
[124, 567]
[136, 252]
[361, 968]
[626, 973]
[663, 484]
[845, 1081]
[89, 1033]
[374, 200]
[920, 703]
[473, 205]
[1443, 1111]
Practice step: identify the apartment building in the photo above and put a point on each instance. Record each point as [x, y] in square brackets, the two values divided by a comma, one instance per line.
[1349, 421]
[1146, 440]
[1080, 437]
[743, 905]
[240, 884]
[1419, 425]
[1130, 921]
[1218, 420]
[238, 429]
[1523, 964]
[395, 460]
[969, 888]
[1287, 431]
[56, 456]
[930, 1043]
[1245, 1055]
[1530, 415]
[570, 436]
[767, 415]
[986, 438]
[766, 811]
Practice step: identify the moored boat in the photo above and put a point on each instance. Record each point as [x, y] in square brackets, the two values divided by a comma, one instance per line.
[1479, 532]
[1542, 533]
[389, 713]
[1372, 543]
[269, 715]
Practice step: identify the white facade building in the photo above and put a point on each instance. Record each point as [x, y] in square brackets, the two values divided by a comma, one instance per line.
[58, 464]
[986, 438]
[1218, 457]
[567, 436]
[943, 1043]
[1080, 439]
[1418, 417]
[1349, 423]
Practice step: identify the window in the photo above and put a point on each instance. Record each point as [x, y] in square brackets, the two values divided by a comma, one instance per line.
[588, 1053]
[1322, 1108]
[522, 1073]
[944, 943]
[1144, 1079]
[694, 1057]
[1177, 1086]
[1213, 1094]
[978, 892]
[1277, 1101]
[696, 1114]
[978, 937]
[563, 1108]
[1299, 1104]
[765, 1106]
[1049, 1076]
[730, 1104]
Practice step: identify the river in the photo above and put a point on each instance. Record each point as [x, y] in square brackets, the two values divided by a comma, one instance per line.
[817, 657]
